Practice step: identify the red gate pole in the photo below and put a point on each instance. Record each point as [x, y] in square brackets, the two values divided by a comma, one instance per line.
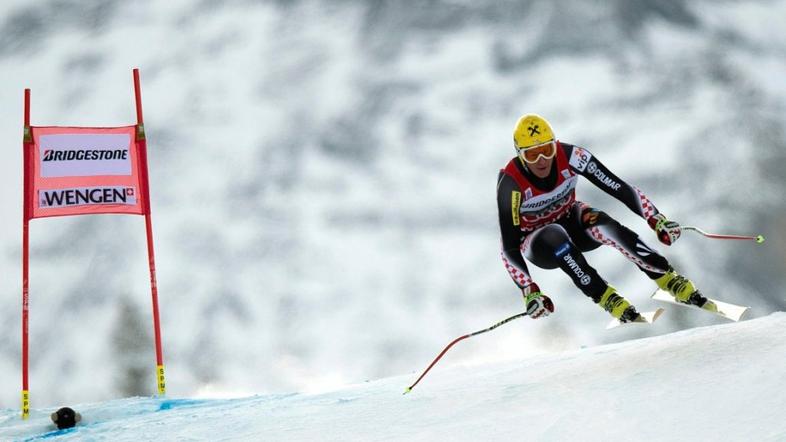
[26, 140]
[142, 143]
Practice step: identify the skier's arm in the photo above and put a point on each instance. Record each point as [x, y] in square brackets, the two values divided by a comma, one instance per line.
[582, 161]
[588, 166]
[538, 304]
[510, 232]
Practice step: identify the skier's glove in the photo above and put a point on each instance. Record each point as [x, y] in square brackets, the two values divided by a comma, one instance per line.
[667, 231]
[538, 304]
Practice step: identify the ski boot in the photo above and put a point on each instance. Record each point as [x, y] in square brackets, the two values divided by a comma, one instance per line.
[682, 289]
[618, 306]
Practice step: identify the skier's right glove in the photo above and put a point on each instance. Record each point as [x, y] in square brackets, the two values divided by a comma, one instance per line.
[538, 304]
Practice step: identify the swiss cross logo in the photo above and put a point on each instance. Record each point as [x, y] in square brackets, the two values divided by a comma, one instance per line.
[129, 191]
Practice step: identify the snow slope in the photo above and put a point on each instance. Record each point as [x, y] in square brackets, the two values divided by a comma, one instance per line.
[722, 382]
[314, 163]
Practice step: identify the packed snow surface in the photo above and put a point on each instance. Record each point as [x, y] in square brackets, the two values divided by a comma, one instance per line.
[722, 382]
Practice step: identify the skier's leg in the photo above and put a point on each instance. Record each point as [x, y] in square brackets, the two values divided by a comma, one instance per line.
[603, 229]
[550, 247]
[606, 230]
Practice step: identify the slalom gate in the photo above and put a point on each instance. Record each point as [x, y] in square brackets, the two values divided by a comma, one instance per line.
[84, 171]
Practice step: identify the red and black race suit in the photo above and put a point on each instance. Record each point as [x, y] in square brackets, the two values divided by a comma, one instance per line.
[527, 204]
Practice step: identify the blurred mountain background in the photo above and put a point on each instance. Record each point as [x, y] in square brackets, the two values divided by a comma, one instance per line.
[323, 179]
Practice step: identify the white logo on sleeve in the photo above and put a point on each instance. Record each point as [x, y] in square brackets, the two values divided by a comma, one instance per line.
[579, 158]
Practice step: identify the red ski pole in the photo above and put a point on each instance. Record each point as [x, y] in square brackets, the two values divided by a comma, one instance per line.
[758, 238]
[505, 321]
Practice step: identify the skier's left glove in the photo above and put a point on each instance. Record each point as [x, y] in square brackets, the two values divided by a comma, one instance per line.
[667, 231]
[538, 304]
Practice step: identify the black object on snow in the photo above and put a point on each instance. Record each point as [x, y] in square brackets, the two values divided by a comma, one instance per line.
[65, 418]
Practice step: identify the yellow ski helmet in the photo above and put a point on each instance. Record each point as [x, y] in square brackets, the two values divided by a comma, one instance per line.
[531, 130]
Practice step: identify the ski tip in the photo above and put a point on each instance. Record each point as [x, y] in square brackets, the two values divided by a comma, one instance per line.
[407, 390]
[730, 311]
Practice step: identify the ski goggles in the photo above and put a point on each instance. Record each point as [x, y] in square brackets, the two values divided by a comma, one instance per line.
[532, 154]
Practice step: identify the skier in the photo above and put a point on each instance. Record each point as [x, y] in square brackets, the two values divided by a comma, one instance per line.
[540, 219]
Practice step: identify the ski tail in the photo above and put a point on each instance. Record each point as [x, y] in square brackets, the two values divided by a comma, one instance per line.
[644, 318]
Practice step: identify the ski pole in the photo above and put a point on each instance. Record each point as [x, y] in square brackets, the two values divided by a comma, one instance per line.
[758, 238]
[504, 321]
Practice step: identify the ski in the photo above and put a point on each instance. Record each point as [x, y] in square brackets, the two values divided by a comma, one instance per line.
[729, 311]
[644, 318]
